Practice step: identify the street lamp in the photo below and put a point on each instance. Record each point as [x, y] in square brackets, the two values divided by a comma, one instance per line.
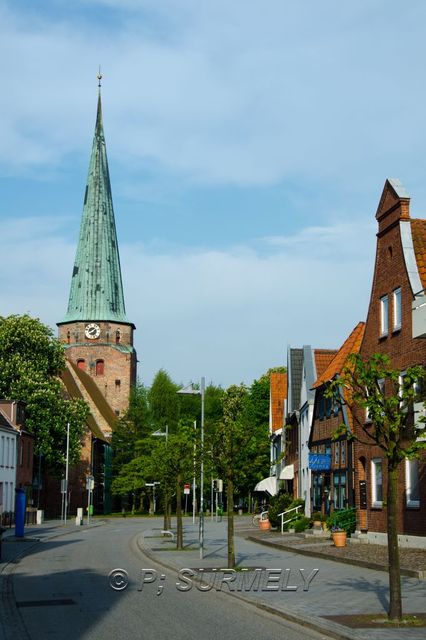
[190, 390]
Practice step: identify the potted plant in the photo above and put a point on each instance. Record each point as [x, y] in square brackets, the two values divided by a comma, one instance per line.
[339, 536]
[264, 524]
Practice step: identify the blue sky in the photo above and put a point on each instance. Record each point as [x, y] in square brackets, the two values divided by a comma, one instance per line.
[248, 146]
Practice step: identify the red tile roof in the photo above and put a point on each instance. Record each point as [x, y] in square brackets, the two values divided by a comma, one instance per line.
[278, 382]
[323, 357]
[418, 232]
[352, 344]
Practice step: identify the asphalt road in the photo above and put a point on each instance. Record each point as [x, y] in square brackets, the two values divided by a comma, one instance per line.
[62, 590]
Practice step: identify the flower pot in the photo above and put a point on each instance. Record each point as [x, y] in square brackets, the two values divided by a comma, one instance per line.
[339, 538]
[264, 525]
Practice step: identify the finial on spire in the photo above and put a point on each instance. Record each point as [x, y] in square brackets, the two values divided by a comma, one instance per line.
[99, 76]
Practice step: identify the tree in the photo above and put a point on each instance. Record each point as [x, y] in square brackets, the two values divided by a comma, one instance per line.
[163, 402]
[227, 441]
[376, 389]
[31, 361]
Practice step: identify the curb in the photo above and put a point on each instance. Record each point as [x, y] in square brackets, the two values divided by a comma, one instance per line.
[332, 629]
[411, 573]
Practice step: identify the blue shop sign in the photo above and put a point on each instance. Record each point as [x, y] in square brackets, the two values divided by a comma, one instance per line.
[319, 461]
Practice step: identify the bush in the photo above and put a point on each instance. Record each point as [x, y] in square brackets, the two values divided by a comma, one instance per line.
[301, 524]
[278, 504]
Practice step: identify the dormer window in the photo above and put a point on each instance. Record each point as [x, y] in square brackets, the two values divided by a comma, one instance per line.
[384, 316]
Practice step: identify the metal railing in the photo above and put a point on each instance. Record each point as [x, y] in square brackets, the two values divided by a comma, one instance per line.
[284, 513]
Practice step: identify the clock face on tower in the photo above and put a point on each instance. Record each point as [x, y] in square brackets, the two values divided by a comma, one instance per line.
[92, 331]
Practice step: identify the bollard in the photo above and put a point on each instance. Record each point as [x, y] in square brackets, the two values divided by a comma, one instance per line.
[20, 513]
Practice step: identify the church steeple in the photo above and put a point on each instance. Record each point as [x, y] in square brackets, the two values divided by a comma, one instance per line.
[96, 285]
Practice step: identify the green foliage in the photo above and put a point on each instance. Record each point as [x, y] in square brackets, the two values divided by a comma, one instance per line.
[164, 402]
[301, 524]
[318, 516]
[342, 520]
[375, 388]
[31, 361]
[278, 503]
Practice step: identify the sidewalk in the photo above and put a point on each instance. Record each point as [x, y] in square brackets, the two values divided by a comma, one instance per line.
[372, 556]
[336, 590]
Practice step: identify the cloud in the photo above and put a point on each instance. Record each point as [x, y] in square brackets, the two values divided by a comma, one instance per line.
[227, 315]
[217, 92]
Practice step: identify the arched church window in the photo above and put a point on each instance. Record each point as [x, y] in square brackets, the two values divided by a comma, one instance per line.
[100, 367]
[81, 364]
[117, 336]
[68, 336]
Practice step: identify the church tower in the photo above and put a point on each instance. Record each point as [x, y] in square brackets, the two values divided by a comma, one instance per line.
[96, 333]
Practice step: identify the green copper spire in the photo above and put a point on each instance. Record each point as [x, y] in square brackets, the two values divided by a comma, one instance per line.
[96, 286]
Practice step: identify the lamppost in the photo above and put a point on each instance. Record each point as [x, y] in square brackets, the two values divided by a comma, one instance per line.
[190, 390]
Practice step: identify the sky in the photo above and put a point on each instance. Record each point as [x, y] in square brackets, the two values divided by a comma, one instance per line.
[248, 146]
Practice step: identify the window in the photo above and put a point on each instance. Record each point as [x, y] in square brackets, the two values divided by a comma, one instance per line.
[343, 453]
[339, 490]
[1, 497]
[118, 336]
[397, 309]
[376, 482]
[336, 453]
[384, 316]
[321, 407]
[100, 368]
[81, 364]
[412, 493]
[328, 407]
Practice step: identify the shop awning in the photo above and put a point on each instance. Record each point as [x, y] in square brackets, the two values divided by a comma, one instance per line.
[268, 484]
[287, 473]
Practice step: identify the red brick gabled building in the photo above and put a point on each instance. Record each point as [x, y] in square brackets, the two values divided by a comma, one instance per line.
[331, 462]
[398, 282]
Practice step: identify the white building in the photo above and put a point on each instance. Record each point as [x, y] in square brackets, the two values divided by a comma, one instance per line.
[8, 442]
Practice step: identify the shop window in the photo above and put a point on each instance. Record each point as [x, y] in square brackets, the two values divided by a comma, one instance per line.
[81, 364]
[377, 482]
[100, 367]
[384, 316]
[412, 492]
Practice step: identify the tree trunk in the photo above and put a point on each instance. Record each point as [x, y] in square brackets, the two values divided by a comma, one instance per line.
[169, 513]
[395, 601]
[179, 527]
[230, 511]
[166, 511]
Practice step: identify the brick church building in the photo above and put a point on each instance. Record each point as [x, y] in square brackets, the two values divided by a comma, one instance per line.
[97, 336]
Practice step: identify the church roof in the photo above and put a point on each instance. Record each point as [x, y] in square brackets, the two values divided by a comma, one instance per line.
[96, 286]
[80, 385]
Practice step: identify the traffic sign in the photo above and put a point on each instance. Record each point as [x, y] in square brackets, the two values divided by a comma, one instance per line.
[186, 489]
